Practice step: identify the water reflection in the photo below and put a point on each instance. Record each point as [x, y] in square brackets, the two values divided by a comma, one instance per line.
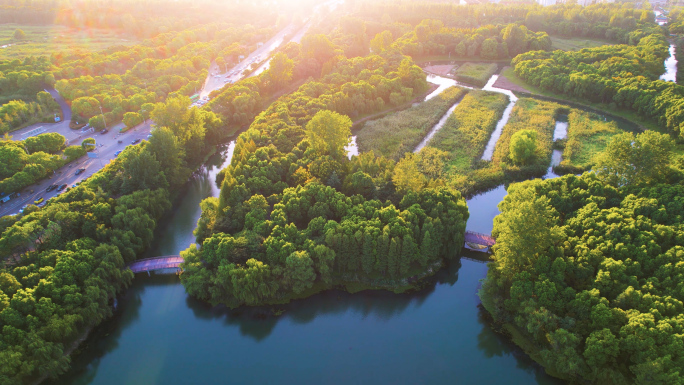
[162, 336]
[670, 74]
[352, 148]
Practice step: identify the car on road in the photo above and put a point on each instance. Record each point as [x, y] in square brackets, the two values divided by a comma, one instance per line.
[39, 201]
[51, 187]
[62, 187]
[80, 171]
[104, 131]
[117, 153]
[120, 141]
[136, 141]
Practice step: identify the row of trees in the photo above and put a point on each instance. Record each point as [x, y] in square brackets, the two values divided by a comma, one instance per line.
[65, 263]
[130, 80]
[431, 37]
[587, 268]
[26, 162]
[604, 21]
[625, 76]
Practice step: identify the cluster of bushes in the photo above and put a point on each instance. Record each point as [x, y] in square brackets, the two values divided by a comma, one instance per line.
[588, 283]
[624, 76]
[475, 73]
[64, 264]
[26, 162]
[467, 131]
[399, 133]
[23, 79]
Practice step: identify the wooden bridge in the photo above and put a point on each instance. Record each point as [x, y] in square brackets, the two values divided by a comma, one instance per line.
[478, 241]
[156, 263]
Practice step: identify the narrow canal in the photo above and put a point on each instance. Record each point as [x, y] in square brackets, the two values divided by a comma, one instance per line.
[670, 74]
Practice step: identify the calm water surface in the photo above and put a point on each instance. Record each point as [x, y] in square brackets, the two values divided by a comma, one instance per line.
[160, 335]
[670, 74]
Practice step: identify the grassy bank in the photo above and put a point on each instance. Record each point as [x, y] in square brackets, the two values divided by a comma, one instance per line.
[588, 135]
[642, 124]
[468, 129]
[398, 133]
[475, 73]
[528, 114]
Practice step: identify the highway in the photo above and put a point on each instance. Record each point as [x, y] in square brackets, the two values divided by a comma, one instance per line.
[214, 82]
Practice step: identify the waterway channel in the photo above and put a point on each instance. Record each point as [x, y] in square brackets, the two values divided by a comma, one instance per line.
[670, 74]
[160, 335]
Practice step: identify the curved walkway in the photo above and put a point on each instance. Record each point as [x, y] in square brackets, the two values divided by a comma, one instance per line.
[157, 263]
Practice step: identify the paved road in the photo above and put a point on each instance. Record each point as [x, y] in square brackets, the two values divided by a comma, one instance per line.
[213, 83]
[107, 145]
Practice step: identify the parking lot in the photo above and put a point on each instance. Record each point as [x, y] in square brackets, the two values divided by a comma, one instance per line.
[107, 145]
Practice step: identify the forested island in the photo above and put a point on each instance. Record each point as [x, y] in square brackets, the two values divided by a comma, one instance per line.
[584, 274]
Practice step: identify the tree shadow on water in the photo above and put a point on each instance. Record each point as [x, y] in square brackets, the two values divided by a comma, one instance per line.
[495, 344]
[258, 322]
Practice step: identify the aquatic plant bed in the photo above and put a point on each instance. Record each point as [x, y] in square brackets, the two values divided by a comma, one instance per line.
[475, 73]
[398, 133]
[528, 114]
[467, 131]
[588, 135]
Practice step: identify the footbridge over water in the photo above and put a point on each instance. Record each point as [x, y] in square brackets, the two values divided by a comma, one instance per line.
[156, 263]
[473, 241]
[478, 241]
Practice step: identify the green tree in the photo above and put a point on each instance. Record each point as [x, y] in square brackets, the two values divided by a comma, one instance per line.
[281, 69]
[523, 147]
[19, 34]
[132, 119]
[381, 41]
[489, 49]
[524, 229]
[407, 175]
[329, 133]
[88, 144]
[630, 159]
[299, 271]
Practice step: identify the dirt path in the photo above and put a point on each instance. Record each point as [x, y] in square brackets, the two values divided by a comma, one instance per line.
[503, 83]
[440, 69]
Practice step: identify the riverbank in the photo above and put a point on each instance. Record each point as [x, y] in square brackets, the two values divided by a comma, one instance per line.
[515, 83]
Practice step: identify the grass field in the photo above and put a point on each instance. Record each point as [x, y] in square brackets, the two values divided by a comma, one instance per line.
[45, 40]
[475, 73]
[575, 44]
[468, 129]
[398, 133]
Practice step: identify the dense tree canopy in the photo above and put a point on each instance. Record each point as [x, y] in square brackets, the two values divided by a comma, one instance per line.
[589, 274]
